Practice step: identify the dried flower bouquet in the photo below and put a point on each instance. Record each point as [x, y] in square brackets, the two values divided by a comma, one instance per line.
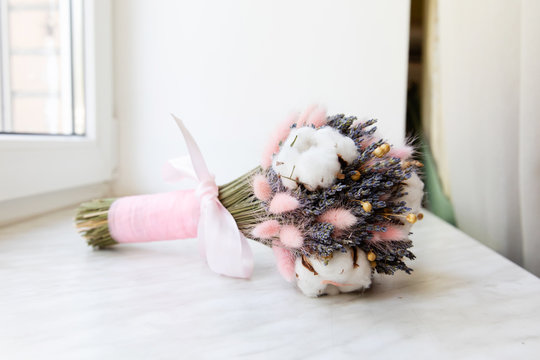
[333, 201]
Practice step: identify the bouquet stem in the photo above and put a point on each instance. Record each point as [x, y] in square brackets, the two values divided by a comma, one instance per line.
[237, 197]
[92, 219]
[91, 222]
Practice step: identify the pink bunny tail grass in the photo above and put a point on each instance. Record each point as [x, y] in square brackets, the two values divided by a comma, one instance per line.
[283, 202]
[391, 233]
[365, 143]
[403, 152]
[269, 150]
[279, 135]
[284, 129]
[261, 188]
[304, 116]
[267, 229]
[285, 262]
[291, 236]
[341, 218]
[318, 117]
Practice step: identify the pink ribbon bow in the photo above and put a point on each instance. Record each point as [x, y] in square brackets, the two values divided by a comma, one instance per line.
[224, 247]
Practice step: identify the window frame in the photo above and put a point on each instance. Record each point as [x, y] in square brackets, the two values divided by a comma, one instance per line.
[38, 164]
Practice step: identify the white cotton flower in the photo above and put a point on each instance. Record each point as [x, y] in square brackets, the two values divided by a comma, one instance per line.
[338, 276]
[284, 163]
[303, 139]
[344, 145]
[317, 166]
[310, 156]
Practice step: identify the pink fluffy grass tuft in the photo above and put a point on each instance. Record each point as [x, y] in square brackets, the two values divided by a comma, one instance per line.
[267, 229]
[270, 149]
[261, 188]
[284, 129]
[304, 116]
[285, 262]
[403, 152]
[317, 117]
[283, 202]
[279, 135]
[340, 218]
[290, 236]
[391, 233]
[365, 143]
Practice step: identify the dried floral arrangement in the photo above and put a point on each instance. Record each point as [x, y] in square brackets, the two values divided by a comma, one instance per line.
[333, 201]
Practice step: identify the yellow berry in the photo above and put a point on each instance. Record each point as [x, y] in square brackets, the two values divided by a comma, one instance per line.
[371, 256]
[366, 206]
[373, 264]
[411, 218]
[355, 176]
[420, 216]
[378, 152]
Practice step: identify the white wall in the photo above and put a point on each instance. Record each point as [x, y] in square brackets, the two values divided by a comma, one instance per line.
[233, 69]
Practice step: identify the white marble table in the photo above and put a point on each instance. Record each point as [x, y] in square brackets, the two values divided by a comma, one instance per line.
[61, 300]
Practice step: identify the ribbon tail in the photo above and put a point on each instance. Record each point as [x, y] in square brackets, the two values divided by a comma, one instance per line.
[226, 250]
[178, 169]
[199, 165]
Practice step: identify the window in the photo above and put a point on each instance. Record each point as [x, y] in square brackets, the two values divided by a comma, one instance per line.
[56, 127]
[42, 75]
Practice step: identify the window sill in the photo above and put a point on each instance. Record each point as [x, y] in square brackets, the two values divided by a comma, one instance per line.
[23, 208]
[159, 300]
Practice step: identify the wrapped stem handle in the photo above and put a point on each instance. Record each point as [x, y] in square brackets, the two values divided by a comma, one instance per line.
[164, 216]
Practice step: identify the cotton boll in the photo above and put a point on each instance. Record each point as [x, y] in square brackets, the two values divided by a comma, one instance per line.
[327, 136]
[343, 145]
[339, 275]
[359, 277]
[301, 139]
[317, 167]
[310, 284]
[347, 149]
[310, 156]
[415, 192]
[289, 184]
[284, 164]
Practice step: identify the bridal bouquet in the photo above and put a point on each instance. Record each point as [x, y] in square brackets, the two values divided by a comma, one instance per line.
[333, 201]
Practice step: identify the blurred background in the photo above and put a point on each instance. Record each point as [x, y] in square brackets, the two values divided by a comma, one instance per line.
[87, 88]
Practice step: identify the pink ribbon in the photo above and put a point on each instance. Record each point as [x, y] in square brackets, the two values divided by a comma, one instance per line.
[224, 247]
